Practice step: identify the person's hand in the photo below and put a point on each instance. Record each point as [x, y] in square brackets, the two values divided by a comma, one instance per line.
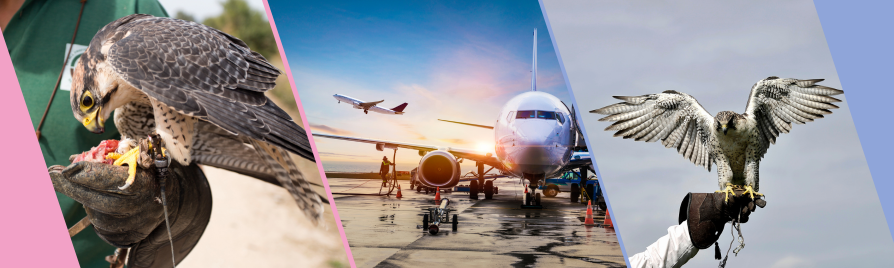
[134, 218]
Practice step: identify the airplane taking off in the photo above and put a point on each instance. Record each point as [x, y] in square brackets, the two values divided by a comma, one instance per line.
[367, 106]
[536, 137]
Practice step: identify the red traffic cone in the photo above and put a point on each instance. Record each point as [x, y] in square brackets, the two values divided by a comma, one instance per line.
[438, 195]
[608, 220]
[589, 218]
[398, 192]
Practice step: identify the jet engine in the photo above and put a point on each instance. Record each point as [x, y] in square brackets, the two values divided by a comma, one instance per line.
[438, 169]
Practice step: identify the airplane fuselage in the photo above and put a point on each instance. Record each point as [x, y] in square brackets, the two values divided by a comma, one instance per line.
[534, 135]
[345, 99]
[365, 106]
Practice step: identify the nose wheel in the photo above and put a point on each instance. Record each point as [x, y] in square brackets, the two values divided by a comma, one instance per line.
[532, 198]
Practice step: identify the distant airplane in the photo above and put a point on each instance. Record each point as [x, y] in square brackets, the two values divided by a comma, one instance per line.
[536, 137]
[367, 106]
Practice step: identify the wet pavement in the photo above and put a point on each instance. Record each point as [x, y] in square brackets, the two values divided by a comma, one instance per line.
[385, 231]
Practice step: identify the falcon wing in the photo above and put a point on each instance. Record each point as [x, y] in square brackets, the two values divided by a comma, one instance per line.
[288, 175]
[775, 103]
[200, 71]
[675, 118]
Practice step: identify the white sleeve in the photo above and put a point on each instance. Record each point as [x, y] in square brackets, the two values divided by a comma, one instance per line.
[671, 250]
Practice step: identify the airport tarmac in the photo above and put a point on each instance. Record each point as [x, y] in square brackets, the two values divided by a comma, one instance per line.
[385, 231]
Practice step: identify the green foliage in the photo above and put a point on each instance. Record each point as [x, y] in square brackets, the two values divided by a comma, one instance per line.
[184, 16]
[239, 20]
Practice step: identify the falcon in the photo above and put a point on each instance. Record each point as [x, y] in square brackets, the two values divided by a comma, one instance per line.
[734, 142]
[201, 90]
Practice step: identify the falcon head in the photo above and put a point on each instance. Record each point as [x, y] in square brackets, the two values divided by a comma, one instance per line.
[96, 91]
[727, 120]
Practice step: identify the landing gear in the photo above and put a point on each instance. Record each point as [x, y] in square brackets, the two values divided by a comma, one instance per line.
[455, 222]
[473, 190]
[575, 192]
[489, 190]
[532, 197]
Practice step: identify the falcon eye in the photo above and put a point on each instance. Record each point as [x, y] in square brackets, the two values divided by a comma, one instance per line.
[87, 101]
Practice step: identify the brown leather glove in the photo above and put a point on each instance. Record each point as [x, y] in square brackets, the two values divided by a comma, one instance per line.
[707, 213]
[134, 218]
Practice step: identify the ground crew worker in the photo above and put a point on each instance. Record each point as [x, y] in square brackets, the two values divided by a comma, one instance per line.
[383, 170]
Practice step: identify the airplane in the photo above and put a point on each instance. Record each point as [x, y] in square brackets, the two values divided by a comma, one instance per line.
[367, 106]
[536, 137]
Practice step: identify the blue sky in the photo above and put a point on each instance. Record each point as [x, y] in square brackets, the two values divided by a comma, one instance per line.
[460, 60]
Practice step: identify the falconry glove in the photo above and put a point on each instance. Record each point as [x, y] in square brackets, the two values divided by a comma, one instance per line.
[707, 213]
[134, 217]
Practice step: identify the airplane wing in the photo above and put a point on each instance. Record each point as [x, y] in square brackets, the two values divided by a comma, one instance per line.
[473, 155]
[468, 124]
[366, 105]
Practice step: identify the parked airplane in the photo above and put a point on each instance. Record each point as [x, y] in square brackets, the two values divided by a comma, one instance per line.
[536, 138]
[367, 106]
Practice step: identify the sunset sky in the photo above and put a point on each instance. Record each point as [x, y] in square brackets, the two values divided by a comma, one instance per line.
[460, 62]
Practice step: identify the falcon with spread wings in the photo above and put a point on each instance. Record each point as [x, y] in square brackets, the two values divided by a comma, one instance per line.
[734, 142]
[201, 90]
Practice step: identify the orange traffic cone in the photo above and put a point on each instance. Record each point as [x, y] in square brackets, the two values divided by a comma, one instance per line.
[438, 195]
[398, 192]
[608, 220]
[526, 194]
[589, 218]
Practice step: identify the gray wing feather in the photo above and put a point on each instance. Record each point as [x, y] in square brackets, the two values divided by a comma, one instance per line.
[203, 72]
[776, 103]
[288, 175]
[675, 118]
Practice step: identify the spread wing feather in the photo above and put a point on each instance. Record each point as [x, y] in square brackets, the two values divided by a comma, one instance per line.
[675, 118]
[776, 103]
[202, 72]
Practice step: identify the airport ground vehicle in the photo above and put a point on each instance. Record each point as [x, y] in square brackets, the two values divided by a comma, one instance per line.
[570, 182]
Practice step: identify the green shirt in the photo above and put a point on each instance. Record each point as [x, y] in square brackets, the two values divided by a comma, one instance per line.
[36, 37]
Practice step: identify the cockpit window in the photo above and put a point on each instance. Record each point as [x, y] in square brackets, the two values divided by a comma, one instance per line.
[561, 118]
[536, 114]
[525, 114]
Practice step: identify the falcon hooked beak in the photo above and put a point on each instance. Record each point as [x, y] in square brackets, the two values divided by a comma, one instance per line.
[93, 122]
[88, 111]
[724, 128]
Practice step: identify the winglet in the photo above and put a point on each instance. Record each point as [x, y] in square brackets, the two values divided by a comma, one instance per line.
[534, 65]
[400, 108]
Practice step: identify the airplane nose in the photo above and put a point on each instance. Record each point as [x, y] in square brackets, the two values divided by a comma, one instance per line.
[532, 143]
[536, 131]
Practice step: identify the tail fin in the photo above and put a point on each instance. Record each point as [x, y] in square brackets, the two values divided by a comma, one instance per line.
[534, 65]
[400, 108]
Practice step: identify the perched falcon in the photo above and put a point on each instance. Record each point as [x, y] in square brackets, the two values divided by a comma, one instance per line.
[735, 142]
[201, 90]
